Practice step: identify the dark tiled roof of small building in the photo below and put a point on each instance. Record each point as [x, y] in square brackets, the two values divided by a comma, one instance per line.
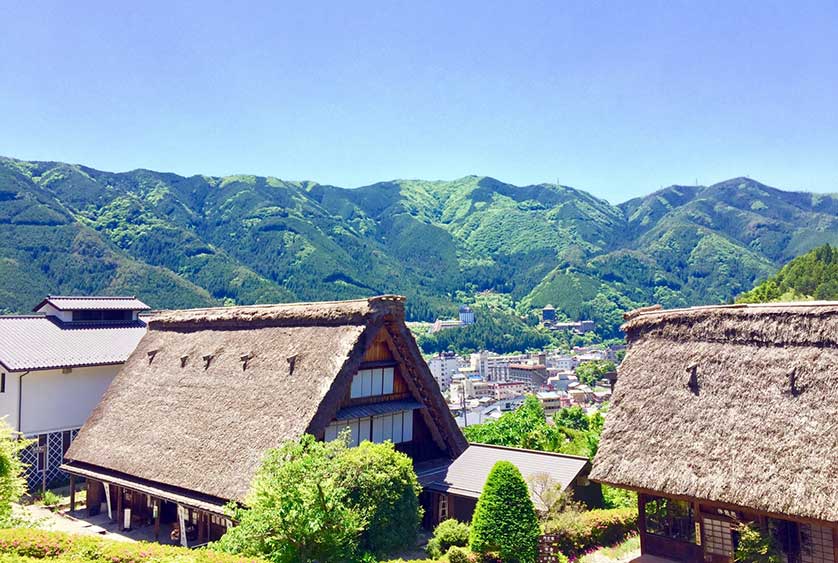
[81, 303]
[467, 474]
[35, 342]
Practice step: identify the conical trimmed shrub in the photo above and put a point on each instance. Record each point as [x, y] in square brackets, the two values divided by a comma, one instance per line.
[505, 520]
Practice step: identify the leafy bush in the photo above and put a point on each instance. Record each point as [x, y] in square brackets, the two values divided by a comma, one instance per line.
[755, 546]
[615, 497]
[457, 554]
[447, 534]
[18, 543]
[12, 483]
[504, 519]
[49, 498]
[316, 501]
[383, 487]
[575, 532]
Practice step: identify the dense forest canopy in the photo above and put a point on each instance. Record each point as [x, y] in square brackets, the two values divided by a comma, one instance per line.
[813, 275]
[185, 242]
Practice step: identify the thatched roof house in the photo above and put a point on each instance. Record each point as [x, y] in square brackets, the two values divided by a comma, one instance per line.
[208, 391]
[726, 414]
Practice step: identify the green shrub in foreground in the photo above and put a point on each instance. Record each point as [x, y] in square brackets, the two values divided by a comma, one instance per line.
[578, 532]
[447, 534]
[17, 543]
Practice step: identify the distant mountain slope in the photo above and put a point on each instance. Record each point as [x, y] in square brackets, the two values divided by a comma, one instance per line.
[813, 275]
[201, 240]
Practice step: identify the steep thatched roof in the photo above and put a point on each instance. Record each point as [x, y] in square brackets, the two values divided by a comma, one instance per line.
[705, 407]
[208, 391]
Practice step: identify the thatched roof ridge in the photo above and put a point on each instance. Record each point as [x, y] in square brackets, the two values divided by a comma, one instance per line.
[801, 323]
[323, 313]
[733, 404]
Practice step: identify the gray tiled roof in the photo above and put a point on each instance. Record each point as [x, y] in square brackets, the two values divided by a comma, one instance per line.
[79, 303]
[30, 342]
[467, 474]
[375, 409]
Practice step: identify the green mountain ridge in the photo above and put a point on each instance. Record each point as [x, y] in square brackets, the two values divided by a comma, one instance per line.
[193, 241]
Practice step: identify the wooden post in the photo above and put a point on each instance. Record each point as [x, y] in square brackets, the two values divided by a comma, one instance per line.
[119, 517]
[200, 525]
[157, 510]
[641, 521]
[72, 493]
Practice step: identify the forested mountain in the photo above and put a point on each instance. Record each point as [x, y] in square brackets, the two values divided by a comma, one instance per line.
[182, 242]
[811, 276]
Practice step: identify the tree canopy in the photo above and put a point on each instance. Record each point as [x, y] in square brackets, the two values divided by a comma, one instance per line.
[813, 275]
[322, 501]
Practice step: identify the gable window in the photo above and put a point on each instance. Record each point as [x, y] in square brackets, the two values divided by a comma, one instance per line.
[396, 427]
[372, 382]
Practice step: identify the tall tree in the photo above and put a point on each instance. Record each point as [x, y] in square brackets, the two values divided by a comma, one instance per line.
[505, 520]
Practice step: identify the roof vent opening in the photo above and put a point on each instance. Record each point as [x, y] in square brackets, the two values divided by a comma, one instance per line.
[151, 354]
[183, 360]
[793, 388]
[246, 358]
[207, 359]
[692, 369]
[292, 362]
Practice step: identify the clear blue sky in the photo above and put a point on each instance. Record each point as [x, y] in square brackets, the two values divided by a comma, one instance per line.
[616, 97]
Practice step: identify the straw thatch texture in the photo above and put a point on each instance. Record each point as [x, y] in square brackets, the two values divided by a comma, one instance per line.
[205, 427]
[744, 435]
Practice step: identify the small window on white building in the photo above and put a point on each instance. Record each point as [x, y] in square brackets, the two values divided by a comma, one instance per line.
[2, 382]
[371, 383]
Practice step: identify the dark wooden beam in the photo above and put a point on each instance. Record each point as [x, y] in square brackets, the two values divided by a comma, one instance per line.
[120, 518]
[157, 510]
[72, 493]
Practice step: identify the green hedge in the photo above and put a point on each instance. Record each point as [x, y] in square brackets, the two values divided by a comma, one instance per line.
[575, 533]
[19, 544]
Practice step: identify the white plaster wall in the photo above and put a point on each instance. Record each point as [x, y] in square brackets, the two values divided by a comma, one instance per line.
[50, 311]
[8, 400]
[54, 401]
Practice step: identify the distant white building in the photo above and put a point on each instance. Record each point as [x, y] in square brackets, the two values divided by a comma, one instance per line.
[444, 367]
[562, 362]
[494, 367]
[56, 364]
[465, 318]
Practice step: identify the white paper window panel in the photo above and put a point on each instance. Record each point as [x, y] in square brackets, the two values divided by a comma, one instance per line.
[356, 389]
[377, 429]
[407, 426]
[387, 374]
[387, 427]
[366, 382]
[364, 430]
[331, 432]
[376, 381]
[397, 427]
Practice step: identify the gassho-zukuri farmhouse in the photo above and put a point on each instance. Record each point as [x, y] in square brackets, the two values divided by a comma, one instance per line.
[185, 424]
[725, 415]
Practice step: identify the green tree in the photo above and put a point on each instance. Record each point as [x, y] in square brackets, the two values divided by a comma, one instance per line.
[504, 519]
[590, 373]
[755, 546]
[315, 501]
[12, 483]
[383, 487]
[297, 510]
